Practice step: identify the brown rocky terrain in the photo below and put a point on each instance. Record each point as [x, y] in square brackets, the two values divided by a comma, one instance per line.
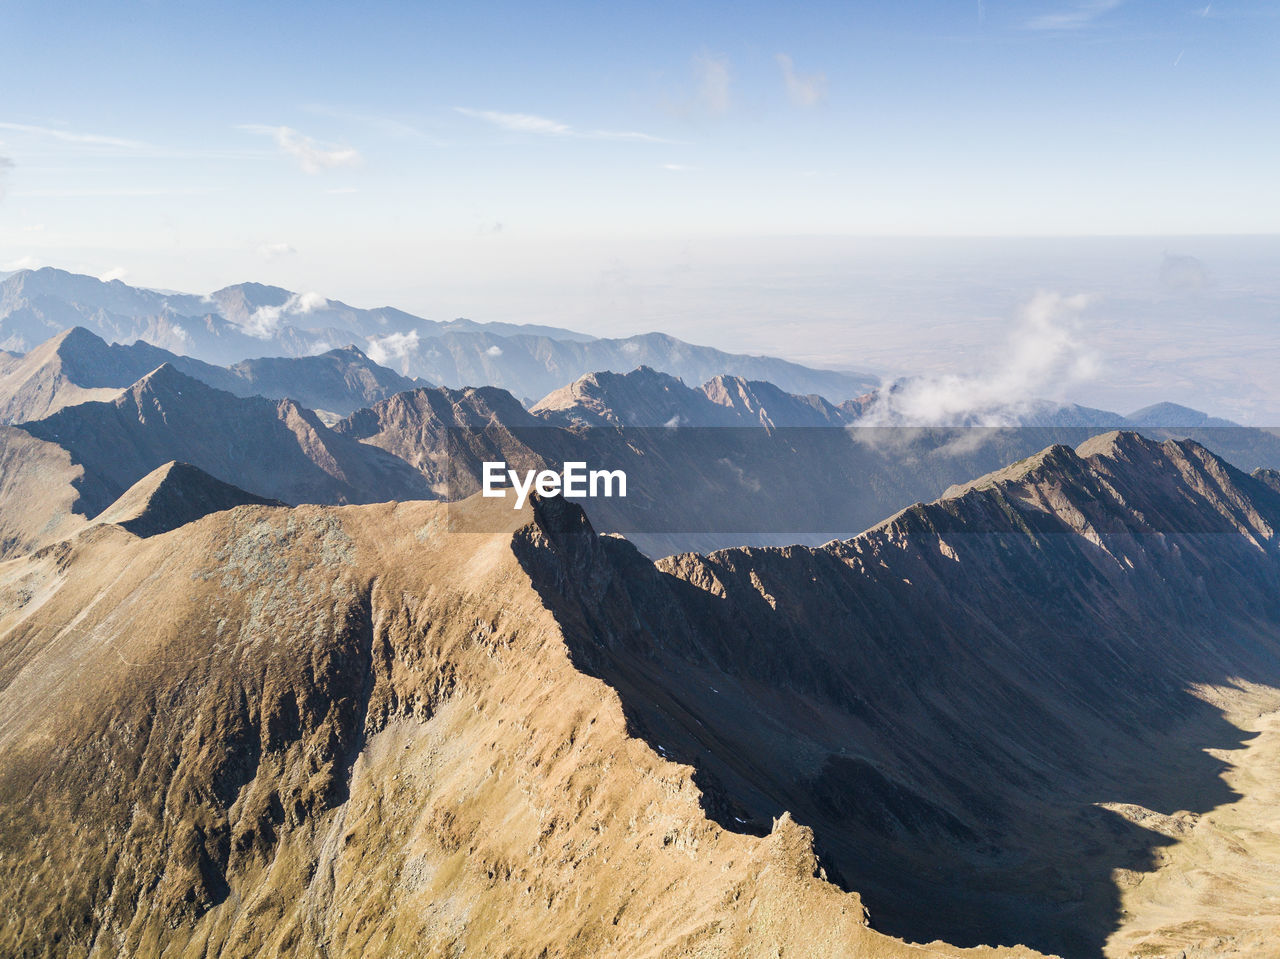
[174, 495]
[981, 706]
[1040, 711]
[273, 448]
[347, 732]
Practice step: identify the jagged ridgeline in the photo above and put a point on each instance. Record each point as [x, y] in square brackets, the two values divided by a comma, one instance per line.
[1037, 713]
[253, 320]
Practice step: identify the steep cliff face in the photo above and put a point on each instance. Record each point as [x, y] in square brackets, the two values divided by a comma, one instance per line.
[347, 732]
[974, 704]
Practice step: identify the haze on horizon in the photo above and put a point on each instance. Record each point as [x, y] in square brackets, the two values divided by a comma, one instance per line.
[707, 172]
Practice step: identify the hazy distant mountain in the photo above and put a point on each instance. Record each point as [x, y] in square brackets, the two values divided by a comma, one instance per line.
[252, 320]
[1173, 415]
[533, 366]
[338, 381]
[76, 366]
[645, 397]
[721, 478]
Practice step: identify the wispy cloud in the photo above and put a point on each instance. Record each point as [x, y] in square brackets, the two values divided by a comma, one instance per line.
[714, 80]
[273, 251]
[1044, 355]
[393, 346]
[543, 126]
[312, 156]
[71, 136]
[115, 273]
[75, 193]
[266, 321]
[806, 91]
[1073, 18]
[677, 167]
[5, 166]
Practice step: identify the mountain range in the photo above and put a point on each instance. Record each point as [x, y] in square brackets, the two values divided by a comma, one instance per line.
[1035, 716]
[724, 477]
[251, 320]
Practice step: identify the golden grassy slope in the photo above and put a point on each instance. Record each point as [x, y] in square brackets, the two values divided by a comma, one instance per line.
[348, 732]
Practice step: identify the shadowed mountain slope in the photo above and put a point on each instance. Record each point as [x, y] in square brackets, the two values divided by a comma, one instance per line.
[173, 495]
[344, 732]
[984, 706]
[275, 449]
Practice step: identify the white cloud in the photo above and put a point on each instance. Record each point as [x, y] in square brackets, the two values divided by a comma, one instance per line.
[312, 156]
[21, 263]
[519, 122]
[1074, 18]
[494, 350]
[5, 166]
[392, 346]
[265, 321]
[116, 273]
[70, 136]
[273, 251]
[677, 167]
[1042, 357]
[713, 83]
[805, 91]
[543, 126]
[306, 302]
[80, 192]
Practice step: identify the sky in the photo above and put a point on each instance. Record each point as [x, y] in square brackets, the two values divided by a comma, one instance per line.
[500, 160]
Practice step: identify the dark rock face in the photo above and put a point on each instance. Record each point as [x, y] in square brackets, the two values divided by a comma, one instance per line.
[948, 697]
[274, 449]
[173, 495]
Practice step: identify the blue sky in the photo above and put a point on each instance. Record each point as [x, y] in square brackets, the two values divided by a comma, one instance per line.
[217, 125]
[620, 167]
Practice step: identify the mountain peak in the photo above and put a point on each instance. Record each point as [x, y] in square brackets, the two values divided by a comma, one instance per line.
[1118, 444]
[173, 495]
[165, 381]
[77, 338]
[1174, 416]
